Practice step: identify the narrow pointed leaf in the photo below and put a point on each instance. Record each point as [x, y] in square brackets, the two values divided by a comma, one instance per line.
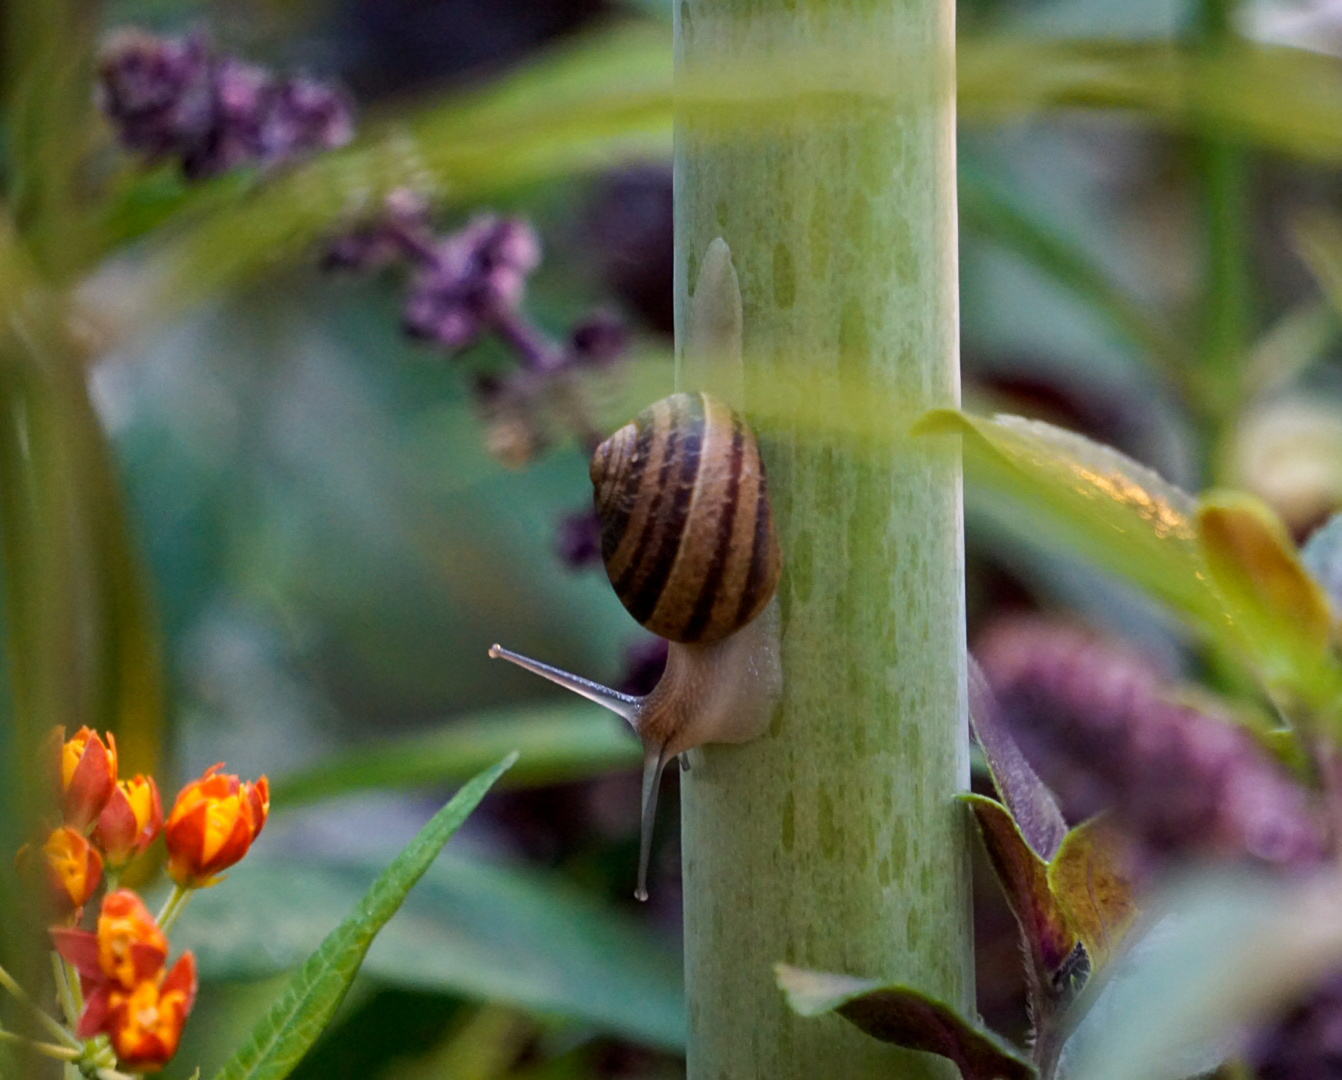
[298, 1017]
[1033, 807]
[905, 1017]
[1090, 884]
[1024, 878]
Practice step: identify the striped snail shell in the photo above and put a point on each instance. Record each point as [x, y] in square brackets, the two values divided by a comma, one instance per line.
[686, 531]
[688, 541]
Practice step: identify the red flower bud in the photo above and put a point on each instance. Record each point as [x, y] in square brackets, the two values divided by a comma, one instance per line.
[213, 824]
[73, 865]
[129, 822]
[88, 775]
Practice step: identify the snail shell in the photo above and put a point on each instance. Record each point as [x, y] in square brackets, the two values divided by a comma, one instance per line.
[686, 530]
[688, 542]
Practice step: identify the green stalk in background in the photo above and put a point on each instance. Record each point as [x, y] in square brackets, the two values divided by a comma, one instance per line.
[834, 842]
[1227, 300]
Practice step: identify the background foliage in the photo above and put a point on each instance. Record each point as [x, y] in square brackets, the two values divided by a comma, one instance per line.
[315, 549]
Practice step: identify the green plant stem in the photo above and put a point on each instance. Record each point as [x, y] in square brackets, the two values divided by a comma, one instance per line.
[1228, 299]
[20, 995]
[51, 1050]
[834, 841]
[66, 991]
[174, 906]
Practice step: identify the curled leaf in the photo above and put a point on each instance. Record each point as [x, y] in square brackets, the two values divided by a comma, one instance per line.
[1024, 878]
[1256, 568]
[905, 1017]
[1089, 882]
[1033, 807]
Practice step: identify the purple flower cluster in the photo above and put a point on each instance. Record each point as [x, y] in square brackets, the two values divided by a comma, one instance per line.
[1100, 726]
[470, 284]
[177, 99]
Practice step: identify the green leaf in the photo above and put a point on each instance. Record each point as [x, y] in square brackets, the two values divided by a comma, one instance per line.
[905, 1017]
[496, 933]
[1024, 878]
[556, 743]
[1089, 881]
[1281, 612]
[987, 211]
[283, 1036]
[1112, 509]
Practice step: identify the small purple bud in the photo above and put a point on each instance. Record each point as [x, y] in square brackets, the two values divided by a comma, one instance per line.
[597, 341]
[302, 115]
[157, 92]
[400, 231]
[1100, 725]
[175, 98]
[578, 542]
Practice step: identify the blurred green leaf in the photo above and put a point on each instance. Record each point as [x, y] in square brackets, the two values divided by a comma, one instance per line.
[1113, 509]
[590, 105]
[302, 1012]
[989, 212]
[555, 743]
[490, 932]
[905, 1017]
[1281, 611]
[1224, 952]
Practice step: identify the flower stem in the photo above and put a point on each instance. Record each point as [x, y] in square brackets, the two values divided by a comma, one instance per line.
[20, 995]
[174, 906]
[51, 1050]
[65, 993]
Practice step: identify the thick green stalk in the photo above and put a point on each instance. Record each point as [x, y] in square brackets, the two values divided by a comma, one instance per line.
[835, 842]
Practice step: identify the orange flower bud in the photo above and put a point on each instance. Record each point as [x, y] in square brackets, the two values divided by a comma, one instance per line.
[74, 866]
[129, 822]
[212, 824]
[145, 1023]
[88, 775]
[131, 947]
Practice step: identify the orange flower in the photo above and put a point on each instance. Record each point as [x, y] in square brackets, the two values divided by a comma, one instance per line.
[212, 824]
[88, 775]
[74, 866]
[131, 947]
[145, 1024]
[129, 822]
[128, 947]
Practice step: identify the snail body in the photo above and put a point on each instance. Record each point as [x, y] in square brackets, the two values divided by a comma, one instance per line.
[689, 546]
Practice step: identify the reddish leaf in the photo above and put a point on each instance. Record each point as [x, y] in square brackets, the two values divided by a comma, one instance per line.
[1024, 877]
[1032, 805]
[905, 1017]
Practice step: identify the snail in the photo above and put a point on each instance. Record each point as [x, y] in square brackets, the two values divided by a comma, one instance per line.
[688, 542]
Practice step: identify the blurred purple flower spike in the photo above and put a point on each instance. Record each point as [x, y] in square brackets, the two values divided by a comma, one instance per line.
[1098, 723]
[176, 98]
[471, 280]
[157, 92]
